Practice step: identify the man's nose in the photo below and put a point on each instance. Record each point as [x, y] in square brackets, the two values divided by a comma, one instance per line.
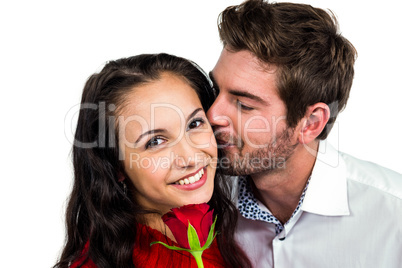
[216, 114]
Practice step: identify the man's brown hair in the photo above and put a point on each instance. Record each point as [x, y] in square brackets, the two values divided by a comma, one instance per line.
[315, 63]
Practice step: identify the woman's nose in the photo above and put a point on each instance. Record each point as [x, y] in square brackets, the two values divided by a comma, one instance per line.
[185, 154]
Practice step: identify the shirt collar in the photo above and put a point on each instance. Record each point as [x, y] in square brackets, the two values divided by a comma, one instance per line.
[327, 191]
[251, 208]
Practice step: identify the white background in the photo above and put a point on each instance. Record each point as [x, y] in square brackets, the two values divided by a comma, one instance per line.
[49, 48]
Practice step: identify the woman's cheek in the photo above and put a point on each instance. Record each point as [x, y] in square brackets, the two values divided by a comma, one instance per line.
[203, 140]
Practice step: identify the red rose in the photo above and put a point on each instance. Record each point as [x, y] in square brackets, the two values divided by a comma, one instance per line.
[198, 215]
[193, 229]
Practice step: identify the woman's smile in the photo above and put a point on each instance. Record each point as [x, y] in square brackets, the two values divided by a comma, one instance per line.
[192, 181]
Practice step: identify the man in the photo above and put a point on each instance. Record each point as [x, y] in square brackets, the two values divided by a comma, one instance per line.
[284, 74]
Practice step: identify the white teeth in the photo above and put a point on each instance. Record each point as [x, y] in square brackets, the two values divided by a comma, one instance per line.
[191, 179]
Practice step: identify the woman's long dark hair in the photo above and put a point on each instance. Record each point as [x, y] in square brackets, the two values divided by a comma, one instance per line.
[99, 213]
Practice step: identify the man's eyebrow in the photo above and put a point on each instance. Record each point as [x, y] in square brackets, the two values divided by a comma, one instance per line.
[152, 131]
[241, 93]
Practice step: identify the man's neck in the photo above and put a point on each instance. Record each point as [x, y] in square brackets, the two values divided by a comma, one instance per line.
[281, 189]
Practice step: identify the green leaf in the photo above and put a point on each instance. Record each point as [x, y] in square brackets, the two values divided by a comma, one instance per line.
[211, 235]
[193, 239]
[169, 247]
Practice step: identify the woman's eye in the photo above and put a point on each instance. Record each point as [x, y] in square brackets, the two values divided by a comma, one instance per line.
[155, 141]
[244, 107]
[195, 123]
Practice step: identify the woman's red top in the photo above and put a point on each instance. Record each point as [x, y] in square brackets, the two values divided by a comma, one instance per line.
[157, 255]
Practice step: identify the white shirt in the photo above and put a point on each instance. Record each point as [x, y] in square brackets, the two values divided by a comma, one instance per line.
[351, 217]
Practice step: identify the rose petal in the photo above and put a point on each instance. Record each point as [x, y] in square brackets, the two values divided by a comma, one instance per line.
[197, 214]
[206, 223]
[204, 207]
[179, 231]
[168, 215]
[188, 213]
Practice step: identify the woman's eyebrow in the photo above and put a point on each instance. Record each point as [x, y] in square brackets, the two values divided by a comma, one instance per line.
[162, 130]
[193, 113]
[152, 131]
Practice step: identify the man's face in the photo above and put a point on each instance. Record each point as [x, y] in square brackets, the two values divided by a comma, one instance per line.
[248, 116]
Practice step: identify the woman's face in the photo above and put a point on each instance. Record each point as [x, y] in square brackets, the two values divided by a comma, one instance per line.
[168, 145]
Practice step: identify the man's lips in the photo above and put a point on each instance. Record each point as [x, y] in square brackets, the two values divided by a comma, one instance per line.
[224, 143]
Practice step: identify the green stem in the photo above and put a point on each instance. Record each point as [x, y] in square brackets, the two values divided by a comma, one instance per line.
[198, 259]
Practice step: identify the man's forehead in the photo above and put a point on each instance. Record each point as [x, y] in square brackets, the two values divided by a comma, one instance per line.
[241, 72]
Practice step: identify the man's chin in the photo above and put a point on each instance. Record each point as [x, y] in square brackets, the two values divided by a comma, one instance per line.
[230, 164]
[235, 164]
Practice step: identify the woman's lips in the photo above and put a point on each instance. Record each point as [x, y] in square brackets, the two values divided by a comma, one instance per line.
[194, 180]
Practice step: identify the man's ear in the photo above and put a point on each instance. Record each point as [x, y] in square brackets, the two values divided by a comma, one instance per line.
[313, 123]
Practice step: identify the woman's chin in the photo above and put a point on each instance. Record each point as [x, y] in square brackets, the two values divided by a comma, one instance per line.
[197, 200]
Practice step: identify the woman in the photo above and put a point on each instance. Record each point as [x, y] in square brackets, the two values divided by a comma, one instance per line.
[141, 133]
